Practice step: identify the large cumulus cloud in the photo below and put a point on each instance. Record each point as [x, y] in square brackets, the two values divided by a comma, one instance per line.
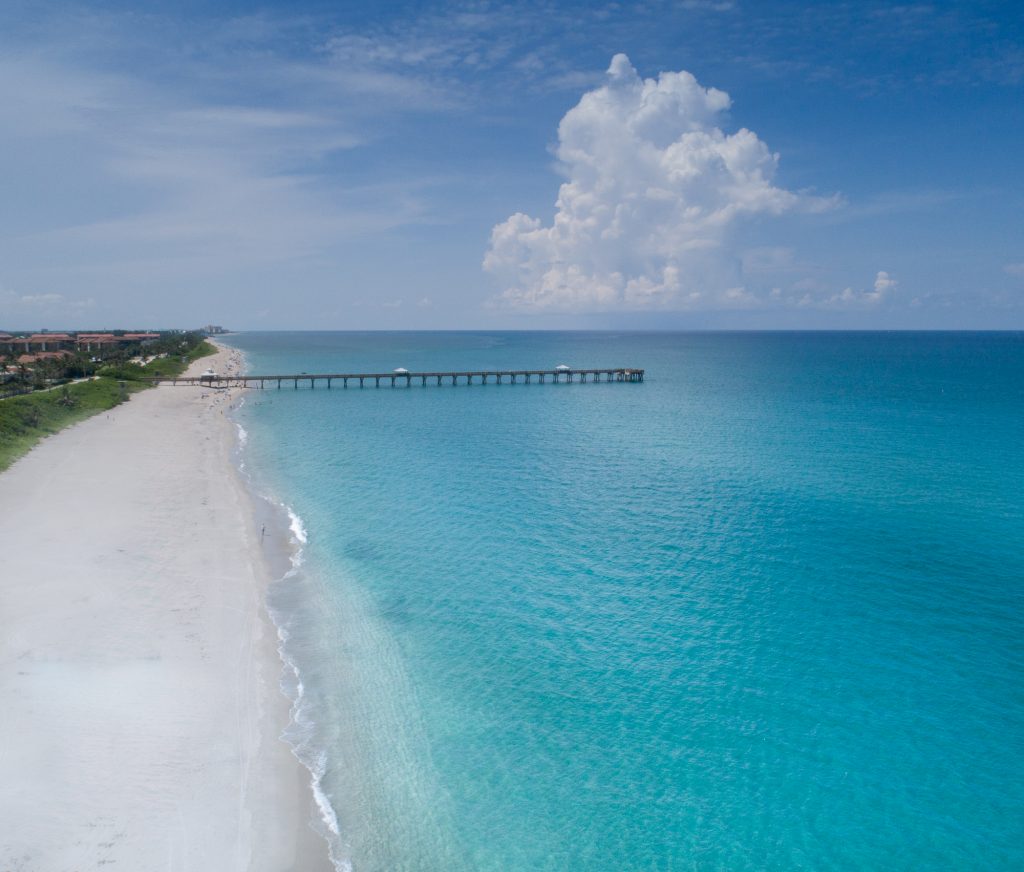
[654, 186]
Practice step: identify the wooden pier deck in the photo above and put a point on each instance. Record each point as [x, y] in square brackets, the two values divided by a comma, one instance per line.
[408, 379]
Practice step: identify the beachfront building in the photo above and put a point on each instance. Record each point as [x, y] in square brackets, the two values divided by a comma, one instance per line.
[44, 342]
[39, 343]
[28, 359]
[97, 341]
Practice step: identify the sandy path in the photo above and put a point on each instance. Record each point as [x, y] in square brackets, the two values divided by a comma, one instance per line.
[139, 701]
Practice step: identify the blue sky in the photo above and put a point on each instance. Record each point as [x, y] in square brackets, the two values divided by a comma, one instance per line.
[687, 164]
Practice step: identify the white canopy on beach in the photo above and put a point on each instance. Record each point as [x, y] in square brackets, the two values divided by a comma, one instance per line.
[563, 368]
[401, 370]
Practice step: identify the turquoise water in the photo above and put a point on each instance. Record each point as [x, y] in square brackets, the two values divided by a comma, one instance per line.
[763, 611]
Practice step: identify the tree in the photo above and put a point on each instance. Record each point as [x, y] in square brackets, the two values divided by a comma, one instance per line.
[67, 399]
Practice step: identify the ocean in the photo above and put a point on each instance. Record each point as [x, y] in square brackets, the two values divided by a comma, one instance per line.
[764, 610]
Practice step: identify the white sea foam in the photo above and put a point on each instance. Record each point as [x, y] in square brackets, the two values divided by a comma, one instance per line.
[322, 802]
[300, 735]
[296, 526]
[243, 439]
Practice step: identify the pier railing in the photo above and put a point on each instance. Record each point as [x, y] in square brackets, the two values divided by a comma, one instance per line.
[408, 379]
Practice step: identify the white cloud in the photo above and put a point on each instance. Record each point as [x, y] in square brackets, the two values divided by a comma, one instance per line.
[708, 5]
[16, 306]
[881, 290]
[884, 285]
[41, 299]
[157, 181]
[654, 187]
[434, 59]
[1014, 269]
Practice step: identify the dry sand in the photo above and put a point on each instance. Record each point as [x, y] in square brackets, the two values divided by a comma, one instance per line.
[139, 701]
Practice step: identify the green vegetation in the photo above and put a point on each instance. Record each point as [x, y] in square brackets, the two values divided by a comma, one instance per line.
[169, 366]
[171, 354]
[26, 419]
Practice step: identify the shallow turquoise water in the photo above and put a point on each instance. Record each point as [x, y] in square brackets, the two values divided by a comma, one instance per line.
[763, 611]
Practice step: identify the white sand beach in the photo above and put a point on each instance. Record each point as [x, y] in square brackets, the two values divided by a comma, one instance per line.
[140, 710]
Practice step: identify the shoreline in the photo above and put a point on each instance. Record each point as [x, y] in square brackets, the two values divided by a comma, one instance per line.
[283, 541]
[140, 676]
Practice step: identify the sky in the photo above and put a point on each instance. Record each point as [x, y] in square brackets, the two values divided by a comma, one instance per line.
[696, 164]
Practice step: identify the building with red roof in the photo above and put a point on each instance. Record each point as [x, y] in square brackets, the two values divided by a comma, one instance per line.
[94, 341]
[43, 355]
[45, 341]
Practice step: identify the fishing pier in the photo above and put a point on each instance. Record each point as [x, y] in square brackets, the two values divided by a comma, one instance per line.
[402, 378]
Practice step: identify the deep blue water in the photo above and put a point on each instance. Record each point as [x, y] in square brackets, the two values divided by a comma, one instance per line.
[763, 611]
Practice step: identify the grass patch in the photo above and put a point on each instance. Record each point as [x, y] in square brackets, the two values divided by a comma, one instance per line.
[26, 419]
